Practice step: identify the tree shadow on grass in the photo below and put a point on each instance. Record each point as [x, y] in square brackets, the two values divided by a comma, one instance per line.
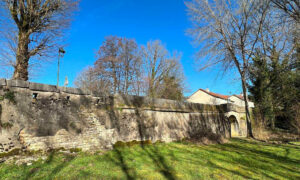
[193, 158]
[256, 161]
[215, 166]
[32, 171]
[264, 163]
[160, 162]
[66, 161]
[266, 160]
[152, 151]
[144, 133]
[59, 167]
[240, 147]
[121, 162]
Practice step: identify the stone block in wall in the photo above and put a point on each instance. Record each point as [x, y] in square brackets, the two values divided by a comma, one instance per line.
[75, 91]
[17, 83]
[234, 108]
[2, 82]
[42, 87]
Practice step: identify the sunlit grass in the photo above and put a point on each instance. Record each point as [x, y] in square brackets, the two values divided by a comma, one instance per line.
[238, 159]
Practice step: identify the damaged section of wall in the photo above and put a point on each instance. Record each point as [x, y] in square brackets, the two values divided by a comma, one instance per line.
[43, 117]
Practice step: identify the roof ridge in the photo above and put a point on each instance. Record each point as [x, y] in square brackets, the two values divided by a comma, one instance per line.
[221, 96]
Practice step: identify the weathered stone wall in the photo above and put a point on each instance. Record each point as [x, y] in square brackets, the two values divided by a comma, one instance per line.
[39, 117]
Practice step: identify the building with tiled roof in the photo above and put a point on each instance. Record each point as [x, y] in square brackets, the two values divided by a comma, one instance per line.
[206, 97]
[239, 100]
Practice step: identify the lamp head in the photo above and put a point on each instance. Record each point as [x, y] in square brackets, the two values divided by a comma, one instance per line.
[61, 50]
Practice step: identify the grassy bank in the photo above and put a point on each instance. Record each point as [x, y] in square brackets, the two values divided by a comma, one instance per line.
[238, 159]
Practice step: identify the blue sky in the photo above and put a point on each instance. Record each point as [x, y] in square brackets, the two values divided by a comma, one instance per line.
[142, 20]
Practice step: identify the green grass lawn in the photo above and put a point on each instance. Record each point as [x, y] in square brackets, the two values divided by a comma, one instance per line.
[238, 159]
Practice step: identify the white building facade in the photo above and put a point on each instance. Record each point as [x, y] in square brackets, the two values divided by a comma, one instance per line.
[206, 97]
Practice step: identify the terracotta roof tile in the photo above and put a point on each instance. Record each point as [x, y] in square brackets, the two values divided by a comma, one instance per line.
[239, 96]
[215, 94]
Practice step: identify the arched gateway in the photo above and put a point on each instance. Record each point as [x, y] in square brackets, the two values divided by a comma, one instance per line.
[234, 127]
[238, 126]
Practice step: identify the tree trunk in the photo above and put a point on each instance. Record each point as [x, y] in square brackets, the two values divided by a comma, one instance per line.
[151, 87]
[272, 118]
[22, 58]
[126, 77]
[114, 75]
[249, 127]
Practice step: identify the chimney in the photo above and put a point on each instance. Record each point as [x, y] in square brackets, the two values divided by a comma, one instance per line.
[207, 90]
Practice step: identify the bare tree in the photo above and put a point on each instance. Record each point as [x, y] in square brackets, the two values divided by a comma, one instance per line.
[38, 29]
[131, 66]
[108, 63]
[291, 10]
[160, 65]
[119, 61]
[90, 80]
[123, 67]
[229, 32]
[276, 38]
[289, 7]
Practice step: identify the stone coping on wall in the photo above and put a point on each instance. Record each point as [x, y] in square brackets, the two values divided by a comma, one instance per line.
[127, 101]
[147, 103]
[2, 82]
[235, 108]
[42, 87]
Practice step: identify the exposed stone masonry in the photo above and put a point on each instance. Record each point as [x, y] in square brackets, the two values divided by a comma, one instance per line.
[45, 117]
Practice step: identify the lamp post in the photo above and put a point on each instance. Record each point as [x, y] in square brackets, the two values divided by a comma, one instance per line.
[60, 51]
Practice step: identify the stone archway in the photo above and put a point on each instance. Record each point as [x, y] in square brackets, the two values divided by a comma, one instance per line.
[234, 126]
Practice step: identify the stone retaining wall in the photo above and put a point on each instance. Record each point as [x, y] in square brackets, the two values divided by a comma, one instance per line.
[42, 116]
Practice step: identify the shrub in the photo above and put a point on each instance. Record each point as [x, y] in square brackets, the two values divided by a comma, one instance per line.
[75, 150]
[11, 153]
[131, 143]
[119, 144]
[6, 125]
[10, 96]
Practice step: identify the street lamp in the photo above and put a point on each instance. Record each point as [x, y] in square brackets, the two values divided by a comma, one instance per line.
[61, 53]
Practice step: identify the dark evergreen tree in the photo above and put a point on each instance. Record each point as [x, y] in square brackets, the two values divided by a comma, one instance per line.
[261, 91]
[275, 90]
